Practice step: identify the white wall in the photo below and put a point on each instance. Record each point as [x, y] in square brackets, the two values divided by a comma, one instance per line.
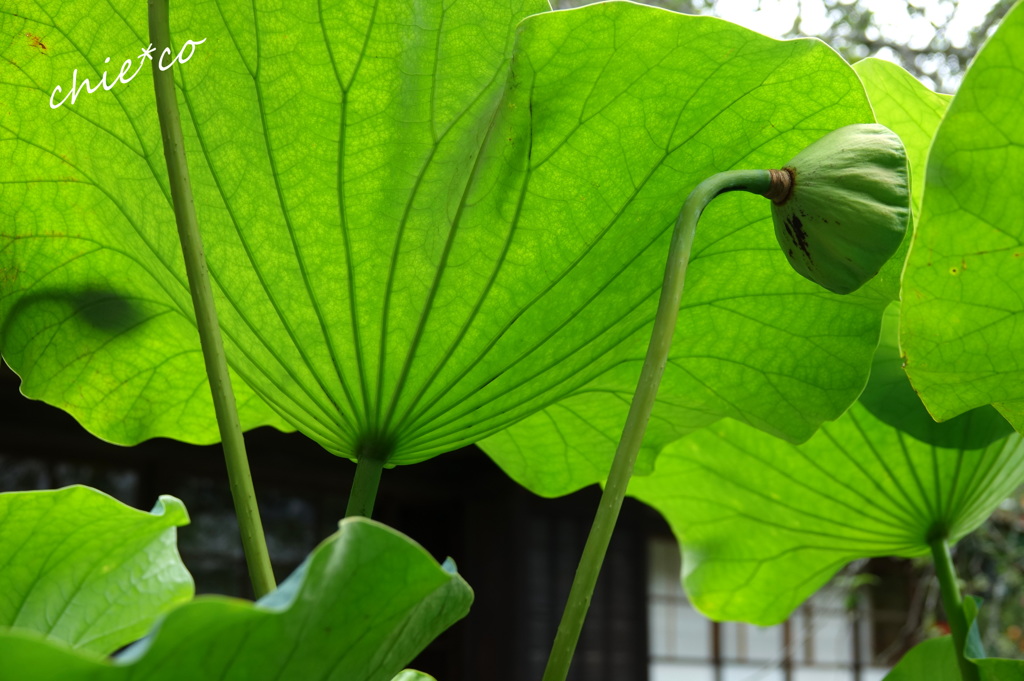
[680, 638]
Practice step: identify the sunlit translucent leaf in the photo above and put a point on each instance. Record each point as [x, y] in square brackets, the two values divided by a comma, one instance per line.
[764, 523]
[328, 144]
[360, 608]
[422, 224]
[961, 326]
[580, 432]
[891, 399]
[81, 568]
[905, 106]
[753, 342]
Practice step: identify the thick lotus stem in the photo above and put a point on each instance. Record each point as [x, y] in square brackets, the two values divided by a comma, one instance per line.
[582, 591]
[239, 478]
[953, 604]
[363, 494]
[840, 209]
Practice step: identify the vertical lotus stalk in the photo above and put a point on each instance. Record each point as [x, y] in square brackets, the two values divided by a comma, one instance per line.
[840, 209]
[239, 477]
[372, 454]
[952, 602]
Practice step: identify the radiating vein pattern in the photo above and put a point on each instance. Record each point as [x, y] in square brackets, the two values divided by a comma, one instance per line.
[424, 221]
[763, 523]
[749, 344]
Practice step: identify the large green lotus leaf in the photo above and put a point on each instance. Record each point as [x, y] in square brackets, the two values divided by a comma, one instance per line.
[331, 146]
[764, 523]
[907, 107]
[891, 399]
[962, 309]
[422, 225]
[582, 430]
[364, 603]
[812, 348]
[79, 567]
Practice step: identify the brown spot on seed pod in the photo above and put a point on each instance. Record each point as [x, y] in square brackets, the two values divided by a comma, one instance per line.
[795, 229]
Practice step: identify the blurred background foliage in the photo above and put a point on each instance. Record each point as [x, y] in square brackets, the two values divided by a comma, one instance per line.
[991, 562]
[933, 39]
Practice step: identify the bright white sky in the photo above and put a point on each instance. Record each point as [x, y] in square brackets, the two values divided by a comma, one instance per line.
[776, 17]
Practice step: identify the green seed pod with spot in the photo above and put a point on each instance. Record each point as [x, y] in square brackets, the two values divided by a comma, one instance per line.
[846, 207]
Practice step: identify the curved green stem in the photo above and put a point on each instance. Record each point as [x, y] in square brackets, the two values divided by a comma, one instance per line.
[756, 181]
[240, 479]
[953, 604]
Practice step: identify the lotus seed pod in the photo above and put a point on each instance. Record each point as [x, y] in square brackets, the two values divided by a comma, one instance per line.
[847, 207]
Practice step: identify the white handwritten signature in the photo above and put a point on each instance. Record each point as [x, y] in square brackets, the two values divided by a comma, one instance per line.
[122, 76]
